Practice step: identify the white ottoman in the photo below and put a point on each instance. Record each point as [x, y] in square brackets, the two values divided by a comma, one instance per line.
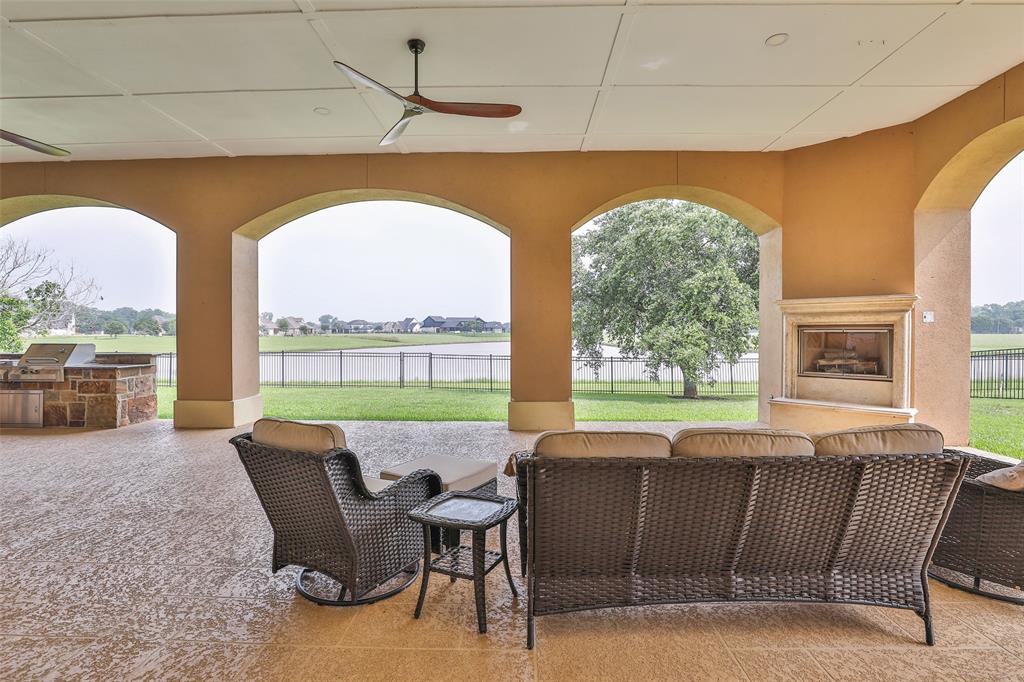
[456, 474]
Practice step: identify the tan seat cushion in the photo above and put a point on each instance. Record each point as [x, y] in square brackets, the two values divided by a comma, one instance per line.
[299, 436]
[1009, 478]
[892, 439]
[601, 444]
[456, 473]
[727, 442]
[375, 485]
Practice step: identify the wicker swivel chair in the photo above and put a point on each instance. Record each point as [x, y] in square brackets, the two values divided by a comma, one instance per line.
[327, 520]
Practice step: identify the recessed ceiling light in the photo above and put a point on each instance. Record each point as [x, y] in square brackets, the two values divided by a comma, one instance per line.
[323, 111]
[776, 39]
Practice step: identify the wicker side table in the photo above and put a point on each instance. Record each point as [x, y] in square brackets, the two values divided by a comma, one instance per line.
[982, 545]
[475, 512]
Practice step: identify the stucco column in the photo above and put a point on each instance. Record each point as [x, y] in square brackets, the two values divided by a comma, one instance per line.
[541, 329]
[942, 349]
[770, 332]
[218, 351]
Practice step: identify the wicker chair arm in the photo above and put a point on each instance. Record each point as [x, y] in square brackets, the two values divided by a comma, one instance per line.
[391, 508]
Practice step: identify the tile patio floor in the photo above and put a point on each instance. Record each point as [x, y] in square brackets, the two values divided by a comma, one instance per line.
[143, 554]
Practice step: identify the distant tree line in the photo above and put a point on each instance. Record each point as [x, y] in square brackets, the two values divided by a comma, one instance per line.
[993, 318]
[151, 321]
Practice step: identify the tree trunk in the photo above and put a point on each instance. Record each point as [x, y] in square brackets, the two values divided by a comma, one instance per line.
[689, 387]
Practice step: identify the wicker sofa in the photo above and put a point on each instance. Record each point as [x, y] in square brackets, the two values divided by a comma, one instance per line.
[638, 522]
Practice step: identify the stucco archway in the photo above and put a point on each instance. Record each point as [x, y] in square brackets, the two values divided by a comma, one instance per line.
[942, 272]
[769, 234]
[245, 285]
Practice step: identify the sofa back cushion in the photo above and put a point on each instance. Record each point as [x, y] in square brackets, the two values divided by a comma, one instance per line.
[726, 442]
[601, 444]
[299, 436]
[892, 439]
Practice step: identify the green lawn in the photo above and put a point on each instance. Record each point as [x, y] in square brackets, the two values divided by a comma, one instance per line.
[996, 341]
[417, 404]
[998, 426]
[166, 344]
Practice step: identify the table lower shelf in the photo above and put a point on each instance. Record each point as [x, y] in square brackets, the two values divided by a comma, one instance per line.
[458, 562]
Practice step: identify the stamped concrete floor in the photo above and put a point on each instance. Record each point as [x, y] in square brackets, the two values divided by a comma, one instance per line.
[144, 554]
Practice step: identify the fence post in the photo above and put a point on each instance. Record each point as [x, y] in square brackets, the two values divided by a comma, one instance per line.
[282, 368]
[341, 368]
[401, 370]
[430, 370]
[613, 373]
[490, 370]
[732, 385]
[671, 379]
[1003, 393]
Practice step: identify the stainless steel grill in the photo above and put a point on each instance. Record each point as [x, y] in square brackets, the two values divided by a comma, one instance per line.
[45, 362]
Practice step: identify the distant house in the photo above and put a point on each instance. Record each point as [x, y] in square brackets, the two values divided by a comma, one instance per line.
[391, 327]
[163, 321]
[64, 325]
[493, 326]
[453, 325]
[361, 327]
[410, 325]
[506, 327]
[294, 326]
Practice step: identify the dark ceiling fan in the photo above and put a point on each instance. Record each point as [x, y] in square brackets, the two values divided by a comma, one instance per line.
[34, 145]
[416, 104]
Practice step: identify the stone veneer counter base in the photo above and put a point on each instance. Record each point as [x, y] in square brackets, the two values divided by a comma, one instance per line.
[117, 390]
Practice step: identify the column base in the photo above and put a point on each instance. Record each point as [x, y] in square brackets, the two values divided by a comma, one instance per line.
[217, 414]
[528, 415]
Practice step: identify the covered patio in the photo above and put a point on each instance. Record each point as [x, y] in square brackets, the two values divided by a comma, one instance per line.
[143, 554]
[852, 138]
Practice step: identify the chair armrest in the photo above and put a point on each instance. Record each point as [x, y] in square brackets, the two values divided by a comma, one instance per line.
[515, 461]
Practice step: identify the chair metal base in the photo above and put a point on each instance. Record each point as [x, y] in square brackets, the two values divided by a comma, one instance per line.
[974, 587]
[412, 571]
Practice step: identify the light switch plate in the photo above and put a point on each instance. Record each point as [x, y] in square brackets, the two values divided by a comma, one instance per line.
[929, 316]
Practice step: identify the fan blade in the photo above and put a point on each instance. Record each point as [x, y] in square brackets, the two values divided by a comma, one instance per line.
[34, 145]
[368, 82]
[399, 128]
[468, 108]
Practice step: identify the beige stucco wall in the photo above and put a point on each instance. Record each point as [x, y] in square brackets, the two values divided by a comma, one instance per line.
[847, 209]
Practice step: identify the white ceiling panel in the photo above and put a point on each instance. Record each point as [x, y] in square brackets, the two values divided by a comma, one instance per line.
[114, 151]
[545, 111]
[865, 108]
[692, 142]
[252, 52]
[79, 9]
[493, 143]
[305, 146]
[249, 115]
[62, 121]
[724, 45]
[478, 47]
[706, 110]
[967, 46]
[30, 69]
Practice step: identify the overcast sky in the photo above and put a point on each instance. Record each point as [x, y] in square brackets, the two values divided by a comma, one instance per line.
[387, 260]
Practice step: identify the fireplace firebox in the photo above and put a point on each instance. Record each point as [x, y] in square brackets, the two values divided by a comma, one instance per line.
[845, 352]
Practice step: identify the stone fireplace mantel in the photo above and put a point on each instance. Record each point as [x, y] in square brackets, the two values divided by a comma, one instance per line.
[825, 402]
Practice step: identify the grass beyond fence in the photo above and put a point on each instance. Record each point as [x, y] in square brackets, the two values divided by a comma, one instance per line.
[420, 404]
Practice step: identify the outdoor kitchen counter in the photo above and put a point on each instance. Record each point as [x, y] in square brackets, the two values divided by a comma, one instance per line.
[116, 390]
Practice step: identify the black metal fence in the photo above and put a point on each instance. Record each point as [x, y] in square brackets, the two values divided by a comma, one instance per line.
[998, 373]
[368, 369]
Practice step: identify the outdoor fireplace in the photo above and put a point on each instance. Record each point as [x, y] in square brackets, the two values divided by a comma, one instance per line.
[846, 362]
[857, 352]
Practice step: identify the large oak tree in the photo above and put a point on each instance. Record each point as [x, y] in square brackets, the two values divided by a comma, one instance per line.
[669, 281]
